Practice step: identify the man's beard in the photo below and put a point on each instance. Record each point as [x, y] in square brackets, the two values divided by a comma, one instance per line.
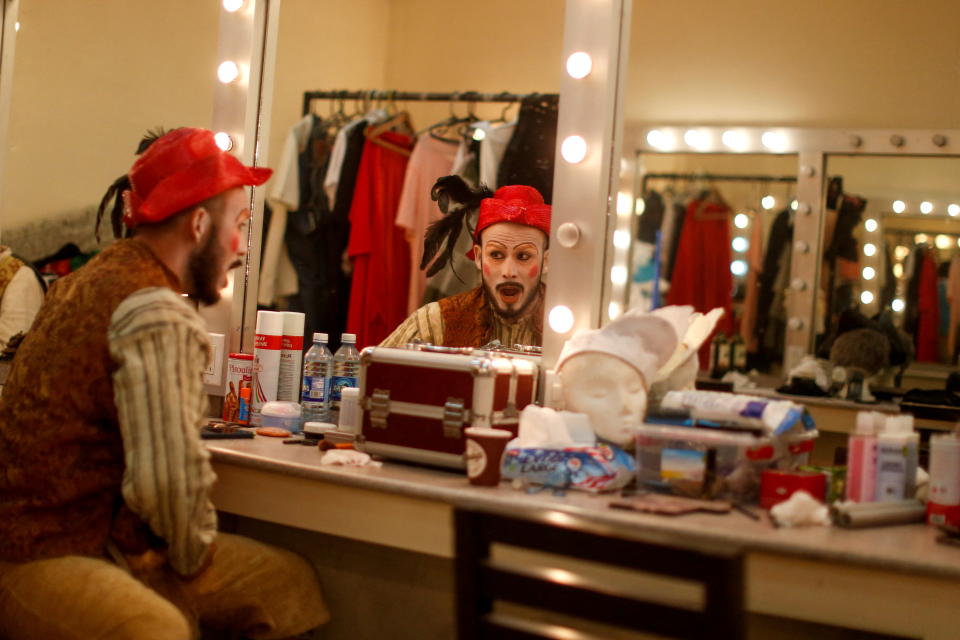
[203, 270]
[517, 310]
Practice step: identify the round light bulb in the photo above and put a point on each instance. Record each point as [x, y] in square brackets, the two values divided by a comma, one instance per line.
[228, 71]
[901, 252]
[233, 5]
[920, 238]
[943, 241]
[870, 225]
[740, 244]
[574, 149]
[579, 65]
[661, 140]
[926, 208]
[623, 203]
[768, 202]
[738, 267]
[898, 305]
[773, 141]
[741, 221]
[621, 239]
[614, 310]
[899, 206]
[16, 26]
[736, 140]
[479, 134]
[953, 210]
[618, 275]
[866, 297]
[898, 270]
[696, 139]
[794, 205]
[869, 273]
[561, 318]
[869, 249]
[223, 140]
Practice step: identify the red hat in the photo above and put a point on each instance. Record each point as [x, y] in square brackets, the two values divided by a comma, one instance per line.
[180, 169]
[516, 203]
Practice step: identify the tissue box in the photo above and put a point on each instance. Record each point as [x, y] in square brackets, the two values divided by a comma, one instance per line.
[594, 469]
[416, 402]
[714, 463]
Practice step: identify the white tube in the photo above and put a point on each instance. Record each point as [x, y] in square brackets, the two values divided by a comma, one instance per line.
[266, 357]
[291, 357]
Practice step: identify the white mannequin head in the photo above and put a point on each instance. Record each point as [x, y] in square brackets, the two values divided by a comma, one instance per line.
[612, 393]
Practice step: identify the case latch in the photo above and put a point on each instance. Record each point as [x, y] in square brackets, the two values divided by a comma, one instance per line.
[379, 408]
[454, 417]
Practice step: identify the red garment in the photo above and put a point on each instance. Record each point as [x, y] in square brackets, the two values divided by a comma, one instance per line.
[928, 305]
[701, 272]
[378, 247]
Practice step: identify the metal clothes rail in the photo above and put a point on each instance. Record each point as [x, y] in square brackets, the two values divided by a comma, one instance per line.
[418, 96]
[713, 177]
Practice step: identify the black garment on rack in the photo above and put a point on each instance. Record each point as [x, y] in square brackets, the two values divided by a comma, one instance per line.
[317, 255]
[767, 327]
[679, 215]
[652, 219]
[528, 158]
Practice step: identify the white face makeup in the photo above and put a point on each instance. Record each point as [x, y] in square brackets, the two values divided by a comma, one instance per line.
[512, 261]
[609, 391]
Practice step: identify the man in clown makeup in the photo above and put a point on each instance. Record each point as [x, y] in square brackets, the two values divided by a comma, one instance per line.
[510, 249]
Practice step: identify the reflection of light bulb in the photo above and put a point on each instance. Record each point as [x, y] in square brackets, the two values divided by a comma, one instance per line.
[736, 140]
[901, 252]
[898, 270]
[741, 221]
[614, 310]
[233, 5]
[926, 207]
[899, 206]
[774, 141]
[621, 239]
[579, 65]
[661, 140]
[638, 207]
[623, 203]
[898, 305]
[866, 297]
[869, 273]
[696, 139]
[574, 149]
[920, 238]
[561, 318]
[228, 71]
[479, 134]
[954, 210]
[768, 202]
[794, 205]
[223, 140]
[16, 26]
[870, 225]
[738, 267]
[943, 242]
[618, 275]
[740, 244]
[869, 249]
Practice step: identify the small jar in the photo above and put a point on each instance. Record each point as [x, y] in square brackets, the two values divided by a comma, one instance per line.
[315, 430]
[350, 416]
[285, 415]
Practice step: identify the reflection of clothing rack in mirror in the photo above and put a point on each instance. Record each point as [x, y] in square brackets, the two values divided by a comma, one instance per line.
[417, 96]
[712, 177]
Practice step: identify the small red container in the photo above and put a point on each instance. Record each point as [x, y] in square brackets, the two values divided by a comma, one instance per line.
[778, 486]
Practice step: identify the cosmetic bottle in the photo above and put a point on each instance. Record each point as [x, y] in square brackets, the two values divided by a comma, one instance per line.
[897, 459]
[862, 459]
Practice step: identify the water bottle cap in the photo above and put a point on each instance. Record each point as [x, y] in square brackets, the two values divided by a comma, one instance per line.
[320, 337]
[348, 337]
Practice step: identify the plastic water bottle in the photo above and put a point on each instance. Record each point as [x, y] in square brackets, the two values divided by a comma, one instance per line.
[346, 372]
[315, 391]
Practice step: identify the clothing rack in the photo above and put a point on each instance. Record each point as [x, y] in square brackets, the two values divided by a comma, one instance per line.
[417, 96]
[712, 177]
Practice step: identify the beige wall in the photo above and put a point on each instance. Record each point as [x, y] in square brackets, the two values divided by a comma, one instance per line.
[413, 45]
[818, 63]
[89, 79]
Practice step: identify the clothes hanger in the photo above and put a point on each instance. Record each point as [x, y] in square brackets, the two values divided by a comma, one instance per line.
[503, 114]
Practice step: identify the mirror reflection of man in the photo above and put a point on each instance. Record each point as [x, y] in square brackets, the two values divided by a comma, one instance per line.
[105, 485]
[510, 249]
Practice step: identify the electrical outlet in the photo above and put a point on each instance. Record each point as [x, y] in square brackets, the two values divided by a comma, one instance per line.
[213, 374]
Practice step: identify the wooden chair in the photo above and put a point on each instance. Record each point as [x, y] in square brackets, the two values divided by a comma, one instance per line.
[481, 581]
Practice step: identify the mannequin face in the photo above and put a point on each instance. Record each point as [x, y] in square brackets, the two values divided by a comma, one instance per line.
[512, 260]
[609, 391]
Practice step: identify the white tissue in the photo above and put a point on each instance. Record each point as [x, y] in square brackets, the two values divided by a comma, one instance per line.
[545, 428]
[802, 509]
[348, 457]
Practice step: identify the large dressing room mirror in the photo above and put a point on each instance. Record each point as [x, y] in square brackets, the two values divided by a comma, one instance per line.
[88, 81]
[892, 254]
[372, 102]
